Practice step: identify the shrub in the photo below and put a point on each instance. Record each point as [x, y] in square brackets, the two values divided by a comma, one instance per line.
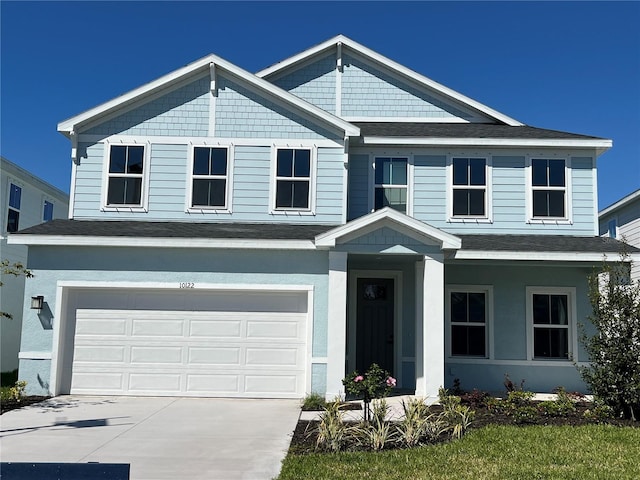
[313, 401]
[375, 383]
[15, 393]
[475, 398]
[375, 434]
[418, 425]
[613, 373]
[332, 431]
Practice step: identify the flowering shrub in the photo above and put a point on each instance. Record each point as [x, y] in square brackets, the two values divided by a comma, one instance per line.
[374, 383]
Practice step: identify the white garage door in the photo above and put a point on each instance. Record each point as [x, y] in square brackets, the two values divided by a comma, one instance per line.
[188, 353]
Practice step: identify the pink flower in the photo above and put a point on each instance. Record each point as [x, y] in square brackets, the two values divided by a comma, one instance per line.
[359, 378]
[391, 382]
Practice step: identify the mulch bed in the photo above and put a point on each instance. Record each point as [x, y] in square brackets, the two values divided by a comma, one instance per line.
[304, 436]
[8, 405]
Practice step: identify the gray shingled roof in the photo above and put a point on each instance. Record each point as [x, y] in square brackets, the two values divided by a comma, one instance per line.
[279, 231]
[133, 228]
[543, 243]
[461, 130]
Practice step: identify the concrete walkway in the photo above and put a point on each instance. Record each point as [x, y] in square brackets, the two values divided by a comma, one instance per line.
[160, 437]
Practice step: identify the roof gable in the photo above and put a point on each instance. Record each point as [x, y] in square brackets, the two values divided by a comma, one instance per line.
[209, 65]
[353, 49]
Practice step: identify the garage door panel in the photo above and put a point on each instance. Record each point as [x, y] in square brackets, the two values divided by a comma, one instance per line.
[228, 352]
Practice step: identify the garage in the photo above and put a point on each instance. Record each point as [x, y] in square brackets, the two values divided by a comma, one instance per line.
[240, 343]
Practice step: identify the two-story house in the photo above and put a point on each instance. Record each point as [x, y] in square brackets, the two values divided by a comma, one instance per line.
[621, 220]
[26, 200]
[259, 235]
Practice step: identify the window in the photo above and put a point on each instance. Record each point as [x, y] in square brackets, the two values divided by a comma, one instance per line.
[13, 215]
[549, 190]
[47, 211]
[468, 314]
[550, 317]
[612, 228]
[126, 168]
[210, 177]
[293, 179]
[469, 187]
[391, 183]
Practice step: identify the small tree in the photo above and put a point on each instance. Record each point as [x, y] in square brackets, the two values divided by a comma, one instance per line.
[614, 349]
[16, 269]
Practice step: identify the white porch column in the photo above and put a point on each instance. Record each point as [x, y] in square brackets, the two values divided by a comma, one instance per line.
[430, 326]
[337, 323]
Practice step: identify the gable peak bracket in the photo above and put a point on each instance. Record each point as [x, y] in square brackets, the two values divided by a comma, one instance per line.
[73, 135]
[212, 76]
[339, 64]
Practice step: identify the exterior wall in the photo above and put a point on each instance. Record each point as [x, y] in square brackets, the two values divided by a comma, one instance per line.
[182, 112]
[169, 179]
[508, 327]
[241, 113]
[628, 228]
[163, 266]
[316, 82]
[34, 193]
[368, 91]
[509, 189]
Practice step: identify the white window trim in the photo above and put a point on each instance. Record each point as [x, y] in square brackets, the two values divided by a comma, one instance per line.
[5, 214]
[313, 176]
[488, 201]
[144, 196]
[488, 326]
[227, 208]
[572, 334]
[568, 199]
[372, 179]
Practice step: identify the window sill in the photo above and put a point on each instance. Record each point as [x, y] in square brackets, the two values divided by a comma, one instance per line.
[209, 211]
[124, 208]
[550, 221]
[469, 220]
[296, 213]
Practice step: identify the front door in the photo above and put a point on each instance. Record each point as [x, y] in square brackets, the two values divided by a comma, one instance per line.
[374, 323]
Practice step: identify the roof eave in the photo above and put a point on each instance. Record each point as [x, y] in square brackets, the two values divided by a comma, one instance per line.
[620, 203]
[601, 144]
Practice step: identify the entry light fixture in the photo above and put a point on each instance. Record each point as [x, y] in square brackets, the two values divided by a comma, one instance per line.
[37, 302]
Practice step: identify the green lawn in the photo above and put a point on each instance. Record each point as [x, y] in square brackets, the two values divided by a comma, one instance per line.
[494, 452]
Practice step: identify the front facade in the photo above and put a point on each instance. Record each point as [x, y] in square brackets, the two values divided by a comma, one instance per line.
[621, 220]
[261, 235]
[26, 200]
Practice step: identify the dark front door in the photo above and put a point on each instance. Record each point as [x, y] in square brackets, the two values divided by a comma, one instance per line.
[374, 324]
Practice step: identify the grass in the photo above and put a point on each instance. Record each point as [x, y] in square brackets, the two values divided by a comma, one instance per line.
[505, 452]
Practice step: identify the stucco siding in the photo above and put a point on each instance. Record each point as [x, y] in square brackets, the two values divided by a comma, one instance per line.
[316, 83]
[181, 112]
[368, 91]
[166, 266]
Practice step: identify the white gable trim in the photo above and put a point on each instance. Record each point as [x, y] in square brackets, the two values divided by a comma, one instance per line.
[387, 217]
[390, 64]
[201, 67]
[620, 203]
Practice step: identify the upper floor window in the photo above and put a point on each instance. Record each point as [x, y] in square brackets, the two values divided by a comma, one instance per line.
[612, 228]
[210, 177]
[126, 171]
[293, 179]
[549, 190]
[47, 211]
[468, 315]
[13, 215]
[469, 187]
[551, 323]
[391, 183]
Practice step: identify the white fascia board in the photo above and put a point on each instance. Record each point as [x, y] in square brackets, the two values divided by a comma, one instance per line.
[620, 203]
[401, 69]
[159, 242]
[204, 64]
[593, 257]
[328, 239]
[490, 142]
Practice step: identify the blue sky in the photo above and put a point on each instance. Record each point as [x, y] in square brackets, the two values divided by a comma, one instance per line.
[571, 66]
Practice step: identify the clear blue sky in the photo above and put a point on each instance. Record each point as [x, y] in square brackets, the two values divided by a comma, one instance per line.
[571, 66]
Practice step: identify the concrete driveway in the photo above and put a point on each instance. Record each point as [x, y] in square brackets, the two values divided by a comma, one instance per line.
[160, 437]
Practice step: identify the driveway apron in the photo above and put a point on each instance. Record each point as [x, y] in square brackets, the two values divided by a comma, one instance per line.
[160, 437]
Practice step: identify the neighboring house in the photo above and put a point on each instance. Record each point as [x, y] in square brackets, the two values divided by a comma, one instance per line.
[247, 235]
[621, 220]
[25, 201]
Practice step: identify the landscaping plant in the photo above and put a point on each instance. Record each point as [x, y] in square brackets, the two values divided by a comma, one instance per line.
[374, 383]
[613, 373]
